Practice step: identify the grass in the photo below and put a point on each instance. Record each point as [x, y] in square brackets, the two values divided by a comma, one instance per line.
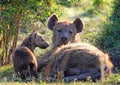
[7, 78]
[6, 72]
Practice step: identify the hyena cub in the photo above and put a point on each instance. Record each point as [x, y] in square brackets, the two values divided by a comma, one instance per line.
[23, 58]
[75, 61]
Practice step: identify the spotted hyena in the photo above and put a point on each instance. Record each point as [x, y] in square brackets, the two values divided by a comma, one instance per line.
[75, 60]
[23, 58]
[64, 32]
[78, 61]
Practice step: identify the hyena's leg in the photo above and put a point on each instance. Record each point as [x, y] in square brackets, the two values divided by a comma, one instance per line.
[62, 65]
[82, 77]
[75, 74]
[22, 76]
[48, 71]
[28, 73]
[16, 74]
[33, 71]
[72, 72]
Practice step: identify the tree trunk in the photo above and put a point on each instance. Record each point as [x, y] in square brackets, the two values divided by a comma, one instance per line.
[17, 20]
[8, 40]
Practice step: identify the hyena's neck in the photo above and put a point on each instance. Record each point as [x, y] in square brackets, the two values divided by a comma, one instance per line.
[28, 43]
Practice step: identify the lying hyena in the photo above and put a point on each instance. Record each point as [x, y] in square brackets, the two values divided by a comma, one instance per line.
[62, 35]
[79, 61]
[75, 60]
[23, 58]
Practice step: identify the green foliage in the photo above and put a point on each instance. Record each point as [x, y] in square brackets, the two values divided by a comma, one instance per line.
[67, 3]
[102, 5]
[109, 37]
[49, 8]
[16, 14]
[99, 7]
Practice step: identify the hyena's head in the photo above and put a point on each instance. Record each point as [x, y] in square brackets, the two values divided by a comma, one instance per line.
[64, 32]
[38, 40]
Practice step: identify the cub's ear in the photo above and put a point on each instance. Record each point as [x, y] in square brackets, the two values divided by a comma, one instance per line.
[79, 25]
[34, 34]
[34, 31]
[52, 20]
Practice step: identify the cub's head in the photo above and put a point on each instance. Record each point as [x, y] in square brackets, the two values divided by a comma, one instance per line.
[38, 40]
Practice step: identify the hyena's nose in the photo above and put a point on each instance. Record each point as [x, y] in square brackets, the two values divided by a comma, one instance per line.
[46, 45]
[64, 39]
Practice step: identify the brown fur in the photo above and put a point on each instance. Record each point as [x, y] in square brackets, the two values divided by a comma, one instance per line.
[68, 57]
[64, 32]
[81, 58]
[72, 30]
[34, 40]
[23, 58]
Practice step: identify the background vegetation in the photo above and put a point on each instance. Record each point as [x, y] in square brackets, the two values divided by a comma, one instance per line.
[18, 18]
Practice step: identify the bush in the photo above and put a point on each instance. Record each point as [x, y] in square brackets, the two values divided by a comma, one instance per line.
[109, 37]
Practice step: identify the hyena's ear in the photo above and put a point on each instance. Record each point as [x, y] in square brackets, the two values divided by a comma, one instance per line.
[34, 33]
[52, 20]
[79, 25]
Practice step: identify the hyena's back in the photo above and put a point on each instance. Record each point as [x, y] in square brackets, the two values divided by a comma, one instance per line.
[22, 58]
[83, 57]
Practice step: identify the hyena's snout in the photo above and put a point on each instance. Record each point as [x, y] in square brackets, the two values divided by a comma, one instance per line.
[44, 44]
[64, 39]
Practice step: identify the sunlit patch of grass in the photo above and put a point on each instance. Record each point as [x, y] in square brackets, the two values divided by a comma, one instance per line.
[60, 83]
[6, 72]
[114, 79]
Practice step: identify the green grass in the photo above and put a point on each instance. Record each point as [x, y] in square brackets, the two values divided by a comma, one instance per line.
[6, 78]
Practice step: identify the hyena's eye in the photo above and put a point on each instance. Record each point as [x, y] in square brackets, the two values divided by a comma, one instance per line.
[59, 30]
[70, 32]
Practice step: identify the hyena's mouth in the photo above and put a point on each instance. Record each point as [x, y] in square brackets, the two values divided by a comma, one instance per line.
[63, 43]
[43, 45]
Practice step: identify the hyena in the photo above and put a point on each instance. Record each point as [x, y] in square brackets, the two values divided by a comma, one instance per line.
[23, 58]
[63, 33]
[79, 61]
[74, 60]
